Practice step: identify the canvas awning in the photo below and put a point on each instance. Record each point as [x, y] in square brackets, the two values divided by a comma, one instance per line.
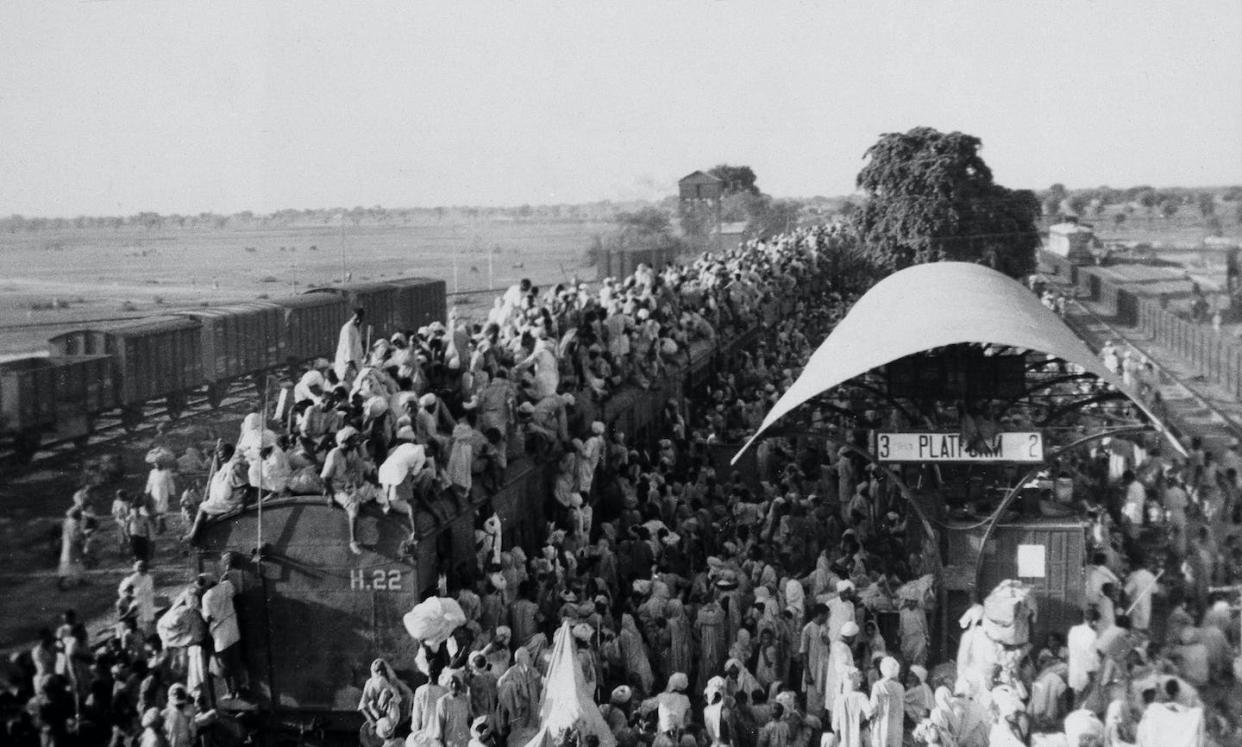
[930, 306]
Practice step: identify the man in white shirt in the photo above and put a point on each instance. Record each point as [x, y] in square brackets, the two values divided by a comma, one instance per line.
[1084, 660]
[1139, 588]
[221, 618]
[143, 585]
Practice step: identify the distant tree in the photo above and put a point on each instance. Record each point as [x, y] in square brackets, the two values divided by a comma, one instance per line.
[1207, 204]
[1077, 203]
[525, 211]
[1119, 218]
[931, 197]
[771, 217]
[1149, 199]
[736, 178]
[1214, 226]
[1233, 194]
[648, 221]
[1168, 208]
[1097, 207]
[847, 209]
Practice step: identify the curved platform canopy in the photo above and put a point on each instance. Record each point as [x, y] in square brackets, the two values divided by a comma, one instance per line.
[930, 306]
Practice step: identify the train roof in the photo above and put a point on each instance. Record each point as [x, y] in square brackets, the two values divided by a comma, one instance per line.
[144, 326]
[247, 307]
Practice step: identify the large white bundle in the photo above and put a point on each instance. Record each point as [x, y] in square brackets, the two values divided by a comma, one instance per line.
[921, 590]
[433, 620]
[566, 703]
[1008, 612]
[1163, 726]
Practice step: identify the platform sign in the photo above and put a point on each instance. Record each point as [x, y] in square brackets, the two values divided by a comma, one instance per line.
[949, 447]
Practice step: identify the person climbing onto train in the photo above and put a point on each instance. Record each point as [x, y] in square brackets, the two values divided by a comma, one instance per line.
[226, 490]
[220, 614]
[344, 480]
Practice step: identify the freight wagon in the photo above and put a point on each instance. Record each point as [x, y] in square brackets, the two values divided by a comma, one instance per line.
[166, 359]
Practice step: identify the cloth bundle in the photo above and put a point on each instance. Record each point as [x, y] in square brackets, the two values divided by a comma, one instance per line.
[1008, 613]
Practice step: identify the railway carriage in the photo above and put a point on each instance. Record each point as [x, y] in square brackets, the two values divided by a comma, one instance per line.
[160, 358]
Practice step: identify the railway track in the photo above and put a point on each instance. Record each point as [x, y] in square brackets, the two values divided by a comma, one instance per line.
[1203, 413]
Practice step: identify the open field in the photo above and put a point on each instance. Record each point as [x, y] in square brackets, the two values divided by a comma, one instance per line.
[51, 280]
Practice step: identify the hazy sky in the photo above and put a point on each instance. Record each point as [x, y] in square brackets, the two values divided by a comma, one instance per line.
[119, 106]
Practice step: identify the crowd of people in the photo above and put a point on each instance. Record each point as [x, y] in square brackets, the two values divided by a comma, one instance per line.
[788, 606]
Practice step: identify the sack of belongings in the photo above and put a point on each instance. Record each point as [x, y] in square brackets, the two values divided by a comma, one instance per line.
[1008, 613]
[160, 457]
[305, 482]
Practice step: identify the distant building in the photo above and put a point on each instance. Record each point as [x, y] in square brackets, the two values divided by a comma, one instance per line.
[1071, 240]
[700, 185]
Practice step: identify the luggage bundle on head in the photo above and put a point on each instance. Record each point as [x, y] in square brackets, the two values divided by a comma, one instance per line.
[1008, 613]
[160, 457]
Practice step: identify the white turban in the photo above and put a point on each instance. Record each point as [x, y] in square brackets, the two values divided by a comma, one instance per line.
[919, 671]
[889, 667]
[844, 586]
[848, 629]
[678, 681]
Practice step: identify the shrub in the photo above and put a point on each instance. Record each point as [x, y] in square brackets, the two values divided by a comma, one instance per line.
[128, 306]
[269, 279]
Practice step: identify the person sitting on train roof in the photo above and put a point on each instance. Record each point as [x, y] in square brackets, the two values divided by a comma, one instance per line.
[344, 480]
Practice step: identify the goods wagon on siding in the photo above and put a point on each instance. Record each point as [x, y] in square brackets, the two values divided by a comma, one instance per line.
[420, 301]
[238, 341]
[379, 300]
[128, 365]
[152, 359]
[52, 398]
[311, 323]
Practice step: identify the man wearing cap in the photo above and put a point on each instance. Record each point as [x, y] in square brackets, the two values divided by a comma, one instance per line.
[888, 702]
[840, 663]
[616, 710]
[343, 480]
[451, 723]
[841, 608]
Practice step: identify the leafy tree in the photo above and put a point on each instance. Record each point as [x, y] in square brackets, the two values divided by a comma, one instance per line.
[1148, 198]
[1119, 218]
[647, 221]
[736, 178]
[770, 217]
[1168, 208]
[1077, 203]
[1207, 204]
[931, 197]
